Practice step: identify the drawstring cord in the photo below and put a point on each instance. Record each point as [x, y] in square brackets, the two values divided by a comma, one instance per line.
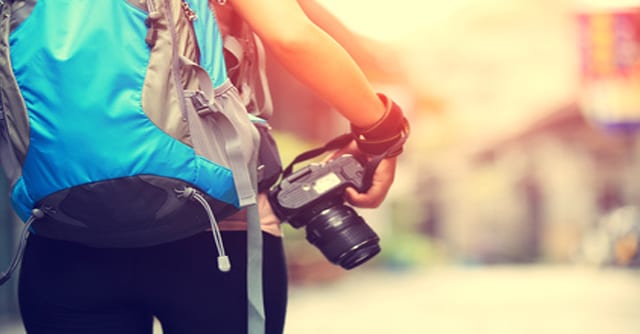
[190, 193]
[35, 215]
[224, 264]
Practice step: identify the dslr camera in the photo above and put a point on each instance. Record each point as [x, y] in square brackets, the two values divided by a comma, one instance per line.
[313, 197]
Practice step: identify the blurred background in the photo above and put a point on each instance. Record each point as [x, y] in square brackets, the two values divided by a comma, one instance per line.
[516, 203]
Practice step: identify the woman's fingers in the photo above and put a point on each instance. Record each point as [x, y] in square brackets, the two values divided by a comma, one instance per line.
[380, 185]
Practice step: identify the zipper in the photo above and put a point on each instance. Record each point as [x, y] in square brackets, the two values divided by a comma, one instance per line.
[175, 62]
[191, 15]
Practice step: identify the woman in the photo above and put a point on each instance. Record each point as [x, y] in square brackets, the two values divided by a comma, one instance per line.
[67, 287]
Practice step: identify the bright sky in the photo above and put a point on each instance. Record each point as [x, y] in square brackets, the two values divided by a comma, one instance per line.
[390, 20]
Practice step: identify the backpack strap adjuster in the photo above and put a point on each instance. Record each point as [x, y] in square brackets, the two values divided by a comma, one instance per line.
[202, 105]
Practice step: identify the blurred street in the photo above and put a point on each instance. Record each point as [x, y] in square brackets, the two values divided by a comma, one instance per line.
[459, 300]
[495, 300]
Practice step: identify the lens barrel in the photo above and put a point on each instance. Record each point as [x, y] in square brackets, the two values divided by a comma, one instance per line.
[343, 236]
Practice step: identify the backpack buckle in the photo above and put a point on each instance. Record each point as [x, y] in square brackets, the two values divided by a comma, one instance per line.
[202, 105]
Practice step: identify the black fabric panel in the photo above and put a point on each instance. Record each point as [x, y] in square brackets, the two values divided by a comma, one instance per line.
[135, 211]
[114, 204]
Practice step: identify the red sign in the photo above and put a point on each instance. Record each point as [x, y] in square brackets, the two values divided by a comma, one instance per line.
[610, 66]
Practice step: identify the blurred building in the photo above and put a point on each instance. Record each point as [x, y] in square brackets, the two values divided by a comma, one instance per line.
[533, 195]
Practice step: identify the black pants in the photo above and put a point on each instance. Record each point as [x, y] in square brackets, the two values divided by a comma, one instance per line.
[68, 288]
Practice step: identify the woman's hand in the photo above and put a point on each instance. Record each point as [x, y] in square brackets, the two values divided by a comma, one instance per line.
[380, 185]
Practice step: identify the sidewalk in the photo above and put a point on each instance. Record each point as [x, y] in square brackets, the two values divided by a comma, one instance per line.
[492, 300]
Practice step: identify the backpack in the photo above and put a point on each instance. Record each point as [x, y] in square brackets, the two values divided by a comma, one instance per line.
[133, 134]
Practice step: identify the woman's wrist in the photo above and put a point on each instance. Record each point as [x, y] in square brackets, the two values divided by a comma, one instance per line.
[385, 136]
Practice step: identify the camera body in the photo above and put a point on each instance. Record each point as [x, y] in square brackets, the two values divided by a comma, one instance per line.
[311, 189]
[313, 197]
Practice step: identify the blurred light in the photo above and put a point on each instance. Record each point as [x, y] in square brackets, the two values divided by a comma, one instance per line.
[392, 21]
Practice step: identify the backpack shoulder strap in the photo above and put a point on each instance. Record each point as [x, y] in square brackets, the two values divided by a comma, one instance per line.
[246, 61]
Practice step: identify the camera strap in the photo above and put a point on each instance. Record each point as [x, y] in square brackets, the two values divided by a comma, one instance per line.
[334, 144]
[370, 165]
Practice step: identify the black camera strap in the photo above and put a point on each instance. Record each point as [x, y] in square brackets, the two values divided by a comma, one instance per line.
[334, 144]
[339, 142]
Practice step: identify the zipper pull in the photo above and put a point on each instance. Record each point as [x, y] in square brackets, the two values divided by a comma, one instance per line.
[191, 15]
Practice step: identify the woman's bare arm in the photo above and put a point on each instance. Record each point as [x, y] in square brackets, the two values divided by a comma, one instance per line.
[321, 63]
[313, 57]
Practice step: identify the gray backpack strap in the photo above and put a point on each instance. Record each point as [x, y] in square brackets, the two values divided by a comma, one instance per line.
[266, 107]
[246, 184]
[235, 48]
[247, 49]
[205, 103]
[256, 315]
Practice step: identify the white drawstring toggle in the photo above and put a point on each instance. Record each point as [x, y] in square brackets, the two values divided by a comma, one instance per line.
[224, 264]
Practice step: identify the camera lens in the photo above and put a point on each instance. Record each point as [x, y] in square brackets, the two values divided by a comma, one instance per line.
[343, 236]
